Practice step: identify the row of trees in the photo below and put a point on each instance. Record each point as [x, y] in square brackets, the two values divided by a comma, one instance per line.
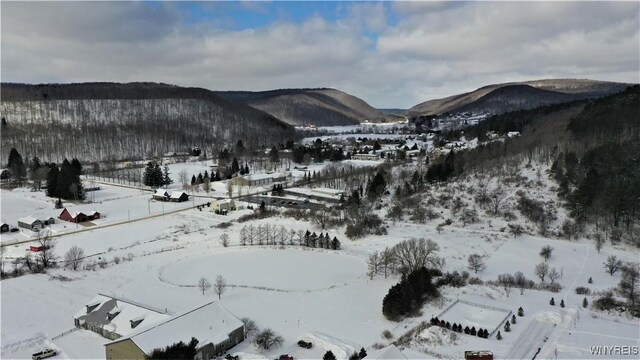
[65, 182]
[268, 234]
[483, 333]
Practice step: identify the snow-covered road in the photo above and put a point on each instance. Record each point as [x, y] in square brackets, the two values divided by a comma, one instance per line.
[531, 339]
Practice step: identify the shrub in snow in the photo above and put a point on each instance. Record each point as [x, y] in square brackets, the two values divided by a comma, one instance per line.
[552, 302]
[585, 303]
[513, 319]
[507, 327]
[387, 334]
[363, 353]
[328, 356]
[467, 330]
[520, 311]
[561, 303]
[499, 336]
[581, 290]
[590, 281]
[472, 331]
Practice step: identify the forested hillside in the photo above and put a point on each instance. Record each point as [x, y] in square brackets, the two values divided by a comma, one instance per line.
[507, 97]
[321, 107]
[99, 121]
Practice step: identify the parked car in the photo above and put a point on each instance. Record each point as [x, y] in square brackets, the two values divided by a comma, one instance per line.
[14, 229]
[305, 344]
[264, 193]
[44, 354]
[231, 357]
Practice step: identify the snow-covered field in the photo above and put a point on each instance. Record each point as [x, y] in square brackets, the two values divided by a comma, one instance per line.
[321, 295]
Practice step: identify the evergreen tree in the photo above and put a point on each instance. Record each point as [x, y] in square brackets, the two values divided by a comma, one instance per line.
[362, 354]
[16, 165]
[507, 327]
[552, 302]
[562, 303]
[499, 336]
[328, 356]
[467, 330]
[193, 179]
[65, 179]
[472, 331]
[520, 311]
[590, 281]
[585, 303]
[200, 178]
[166, 178]
[377, 186]
[77, 167]
[52, 180]
[234, 166]
[513, 319]
[147, 176]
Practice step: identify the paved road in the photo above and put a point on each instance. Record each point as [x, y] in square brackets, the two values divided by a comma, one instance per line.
[531, 339]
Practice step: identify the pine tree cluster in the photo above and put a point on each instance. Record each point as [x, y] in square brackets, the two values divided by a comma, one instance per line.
[155, 177]
[406, 297]
[65, 183]
[483, 333]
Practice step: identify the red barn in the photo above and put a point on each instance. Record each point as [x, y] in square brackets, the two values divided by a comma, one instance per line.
[77, 217]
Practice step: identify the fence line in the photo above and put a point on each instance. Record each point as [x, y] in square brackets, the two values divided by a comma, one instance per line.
[64, 333]
[509, 312]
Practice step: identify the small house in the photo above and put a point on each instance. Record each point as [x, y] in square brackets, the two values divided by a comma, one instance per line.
[4, 227]
[178, 196]
[50, 221]
[223, 206]
[261, 179]
[161, 194]
[31, 223]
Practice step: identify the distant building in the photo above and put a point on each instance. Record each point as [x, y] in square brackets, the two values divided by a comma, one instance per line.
[215, 328]
[370, 157]
[223, 206]
[78, 216]
[261, 179]
[4, 227]
[178, 196]
[31, 223]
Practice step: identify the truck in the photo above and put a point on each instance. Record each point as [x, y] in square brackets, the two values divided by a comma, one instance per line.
[44, 354]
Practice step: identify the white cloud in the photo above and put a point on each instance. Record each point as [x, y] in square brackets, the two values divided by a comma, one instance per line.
[432, 50]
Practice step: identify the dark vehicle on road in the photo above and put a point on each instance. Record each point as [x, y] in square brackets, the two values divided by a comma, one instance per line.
[305, 344]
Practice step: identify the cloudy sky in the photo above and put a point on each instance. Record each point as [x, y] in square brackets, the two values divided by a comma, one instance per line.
[391, 54]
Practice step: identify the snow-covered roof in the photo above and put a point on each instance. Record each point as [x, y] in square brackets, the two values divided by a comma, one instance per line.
[28, 220]
[388, 352]
[125, 312]
[161, 192]
[210, 323]
[177, 194]
[224, 201]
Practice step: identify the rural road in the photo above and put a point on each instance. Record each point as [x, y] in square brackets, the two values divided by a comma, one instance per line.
[531, 339]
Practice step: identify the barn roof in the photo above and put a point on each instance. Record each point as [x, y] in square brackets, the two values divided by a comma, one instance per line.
[177, 194]
[161, 192]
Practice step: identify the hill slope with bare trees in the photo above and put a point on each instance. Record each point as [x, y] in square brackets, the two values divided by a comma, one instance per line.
[100, 121]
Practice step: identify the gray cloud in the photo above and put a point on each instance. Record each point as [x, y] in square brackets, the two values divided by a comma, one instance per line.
[432, 50]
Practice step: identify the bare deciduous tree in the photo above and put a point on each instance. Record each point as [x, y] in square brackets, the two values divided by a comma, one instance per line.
[629, 286]
[204, 285]
[46, 257]
[230, 188]
[220, 286]
[250, 326]
[542, 270]
[476, 263]
[412, 254]
[267, 338]
[183, 176]
[73, 258]
[496, 197]
[613, 265]
[599, 241]
[553, 275]
[224, 239]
